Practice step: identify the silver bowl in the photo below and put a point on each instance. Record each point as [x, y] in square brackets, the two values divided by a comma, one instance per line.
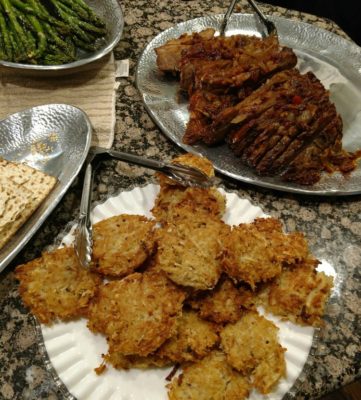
[66, 133]
[111, 12]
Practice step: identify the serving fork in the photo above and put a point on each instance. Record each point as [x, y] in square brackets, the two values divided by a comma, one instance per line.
[182, 174]
[269, 25]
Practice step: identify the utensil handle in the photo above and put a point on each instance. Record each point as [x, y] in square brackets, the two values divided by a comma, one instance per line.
[83, 239]
[143, 162]
[86, 193]
[226, 17]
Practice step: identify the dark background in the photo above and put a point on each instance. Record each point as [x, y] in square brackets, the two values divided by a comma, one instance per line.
[346, 13]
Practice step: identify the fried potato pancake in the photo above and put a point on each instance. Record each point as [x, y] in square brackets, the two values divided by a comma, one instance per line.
[56, 286]
[189, 252]
[188, 159]
[121, 244]
[210, 378]
[120, 361]
[171, 200]
[137, 313]
[267, 373]
[193, 340]
[221, 305]
[256, 252]
[251, 345]
[300, 294]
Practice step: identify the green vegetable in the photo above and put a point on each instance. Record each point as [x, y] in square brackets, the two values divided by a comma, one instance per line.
[47, 31]
[7, 48]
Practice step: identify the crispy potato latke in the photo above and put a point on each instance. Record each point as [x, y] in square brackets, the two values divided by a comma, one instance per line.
[170, 201]
[173, 196]
[221, 305]
[256, 252]
[137, 313]
[56, 286]
[120, 361]
[193, 340]
[210, 378]
[251, 345]
[189, 252]
[300, 294]
[121, 244]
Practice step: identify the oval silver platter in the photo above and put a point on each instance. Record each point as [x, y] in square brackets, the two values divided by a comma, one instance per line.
[53, 138]
[334, 60]
[111, 12]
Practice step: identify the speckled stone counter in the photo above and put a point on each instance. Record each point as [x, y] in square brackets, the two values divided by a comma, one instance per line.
[333, 226]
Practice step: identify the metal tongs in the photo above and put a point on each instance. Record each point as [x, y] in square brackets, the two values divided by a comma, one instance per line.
[183, 175]
[269, 25]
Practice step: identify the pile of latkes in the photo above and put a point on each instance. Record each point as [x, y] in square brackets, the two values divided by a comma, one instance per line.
[182, 289]
[247, 92]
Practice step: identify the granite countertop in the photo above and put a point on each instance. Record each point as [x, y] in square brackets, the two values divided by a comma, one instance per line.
[332, 226]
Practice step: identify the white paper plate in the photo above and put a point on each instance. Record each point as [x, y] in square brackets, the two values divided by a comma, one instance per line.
[74, 351]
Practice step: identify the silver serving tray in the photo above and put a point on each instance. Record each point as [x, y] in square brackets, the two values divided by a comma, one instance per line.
[53, 138]
[111, 12]
[334, 60]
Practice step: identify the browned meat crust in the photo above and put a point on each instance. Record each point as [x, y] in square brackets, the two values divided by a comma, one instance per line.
[236, 62]
[288, 127]
[169, 54]
[221, 72]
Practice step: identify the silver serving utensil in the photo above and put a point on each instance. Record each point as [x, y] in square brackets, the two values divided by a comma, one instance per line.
[270, 26]
[84, 232]
[228, 13]
[184, 175]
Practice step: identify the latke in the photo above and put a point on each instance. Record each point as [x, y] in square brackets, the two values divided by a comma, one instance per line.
[251, 345]
[189, 252]
[171, 199]
[136, 314]
[256, 253]
[121, 244]
[56, 285]
[193, 339]
[300, 294]
[210, 378]
[221, 305]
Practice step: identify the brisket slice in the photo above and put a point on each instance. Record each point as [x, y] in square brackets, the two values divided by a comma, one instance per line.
[203, 108]
[170, 54]
[228, 64]
[287, 127]
[276, 92]
[307, 167]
